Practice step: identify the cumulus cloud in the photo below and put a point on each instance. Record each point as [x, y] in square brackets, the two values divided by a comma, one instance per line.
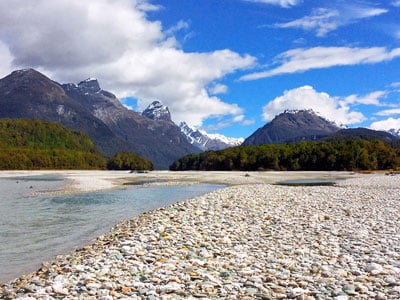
[306, 97]
[282, 3]
[115, 41]
[325, 20]
[386, 125]
[302, 59]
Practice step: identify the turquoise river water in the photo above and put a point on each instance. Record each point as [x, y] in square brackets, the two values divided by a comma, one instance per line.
[34, 229]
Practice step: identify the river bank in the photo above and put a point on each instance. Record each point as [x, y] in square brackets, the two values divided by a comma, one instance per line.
[246, 241]
[39, 219]
[92, 181]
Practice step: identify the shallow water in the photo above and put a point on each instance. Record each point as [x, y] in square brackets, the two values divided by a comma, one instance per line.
[34, 229]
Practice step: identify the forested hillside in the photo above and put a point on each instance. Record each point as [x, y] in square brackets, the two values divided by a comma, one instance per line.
[129, 161]
[32, 144]
[309, 156]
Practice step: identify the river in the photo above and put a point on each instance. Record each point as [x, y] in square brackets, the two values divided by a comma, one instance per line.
[35, 228]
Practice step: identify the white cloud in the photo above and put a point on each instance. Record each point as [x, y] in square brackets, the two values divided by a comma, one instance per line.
[370, 99]
[395, 84]
[386, 125]
[396, 3]
[179, 33]
[6, 60]
[306, 97]
[325, 20]
[227, 122]
[115, 42]
[301, 59]
[322, 20]
[145, 6]
[282, 3]
[73, 33]
[389, 112]
[181, 25]
[218, 89]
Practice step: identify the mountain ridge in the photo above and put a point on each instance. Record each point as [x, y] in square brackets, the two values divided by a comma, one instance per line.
[292, 126]
[152, 134]
[198, 138]
[85, 106]
[306, 125]
[205, 141]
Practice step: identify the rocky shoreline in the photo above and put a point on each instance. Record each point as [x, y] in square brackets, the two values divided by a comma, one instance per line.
[254, 241]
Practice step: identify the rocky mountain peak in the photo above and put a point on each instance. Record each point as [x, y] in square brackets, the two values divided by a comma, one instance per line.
[27, 76]
[395, 132]
[293, 126]
[205, 141]
[30, 80]
[305, 119]
[90, 85]
[157, 111]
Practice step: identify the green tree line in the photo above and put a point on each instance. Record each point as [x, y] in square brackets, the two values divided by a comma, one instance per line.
[306, 156]
[29, 159]
[129, 161]
[32, 144]
[27, 144]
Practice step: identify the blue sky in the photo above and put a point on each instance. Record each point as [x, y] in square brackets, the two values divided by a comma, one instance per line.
[226, 66]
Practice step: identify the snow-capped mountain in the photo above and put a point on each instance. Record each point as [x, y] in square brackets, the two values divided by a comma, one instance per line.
[395, 132]
[206, 141]
[157, 111]
[198, 138]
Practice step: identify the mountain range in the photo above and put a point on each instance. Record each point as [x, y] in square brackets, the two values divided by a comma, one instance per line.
[198, 138]
[206, 141]
[98, 113]
[152, 133]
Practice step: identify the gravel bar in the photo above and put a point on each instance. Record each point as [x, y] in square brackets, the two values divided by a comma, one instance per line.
[255, 241]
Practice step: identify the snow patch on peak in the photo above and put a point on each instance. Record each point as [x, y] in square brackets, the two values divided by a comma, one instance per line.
[227, 140]
[156, 104]
[312, 112]
[395, 132]
[90, 85]
[90, 79]
[22, 71]
[157, 111]
[297, 111]
[206, 141]
[25, 72]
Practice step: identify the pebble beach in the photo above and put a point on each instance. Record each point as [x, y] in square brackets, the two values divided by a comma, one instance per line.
[246, 241]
